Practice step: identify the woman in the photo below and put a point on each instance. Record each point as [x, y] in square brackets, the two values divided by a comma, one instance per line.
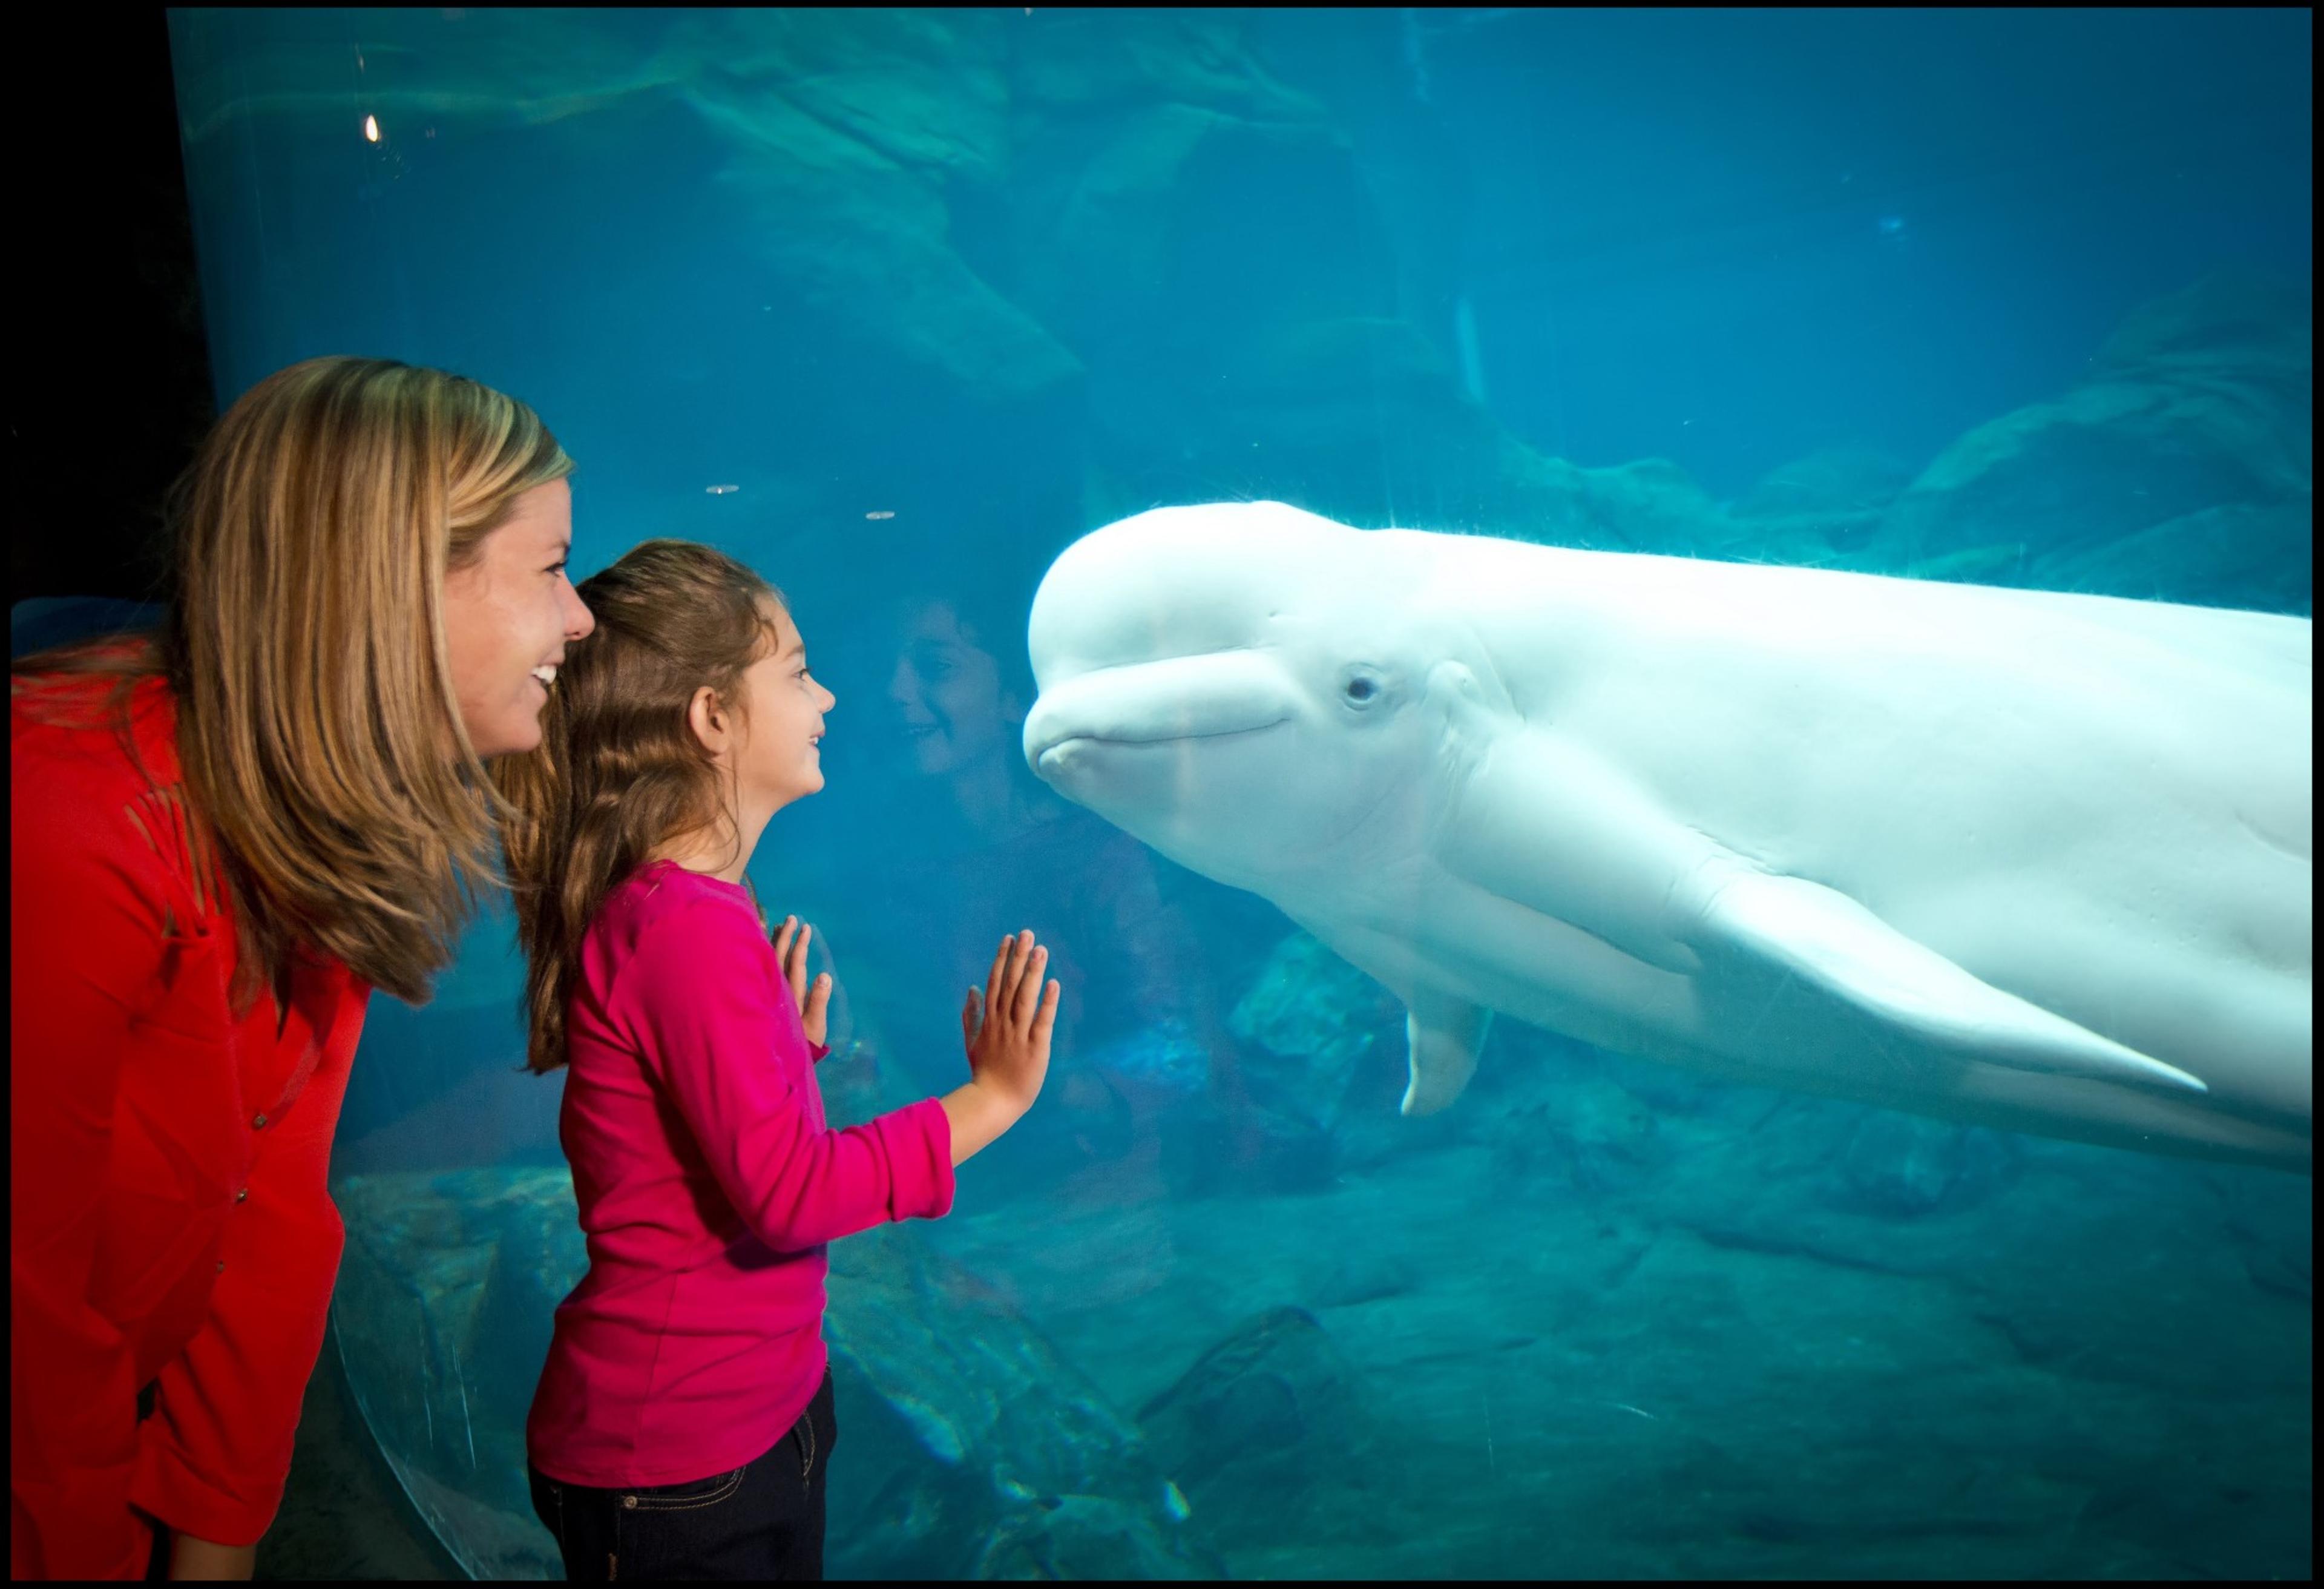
[220, 841]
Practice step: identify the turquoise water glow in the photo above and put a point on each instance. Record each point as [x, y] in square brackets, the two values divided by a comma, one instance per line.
[897, 305]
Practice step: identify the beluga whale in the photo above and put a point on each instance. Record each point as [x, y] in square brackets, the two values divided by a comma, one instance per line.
[2027, 859]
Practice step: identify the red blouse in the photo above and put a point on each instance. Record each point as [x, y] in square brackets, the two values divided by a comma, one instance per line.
[169, 1225]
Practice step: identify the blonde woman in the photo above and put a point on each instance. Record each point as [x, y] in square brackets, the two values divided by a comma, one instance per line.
[221, 840]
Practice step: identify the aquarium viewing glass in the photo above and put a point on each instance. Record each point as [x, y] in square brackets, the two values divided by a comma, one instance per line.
[897, 305]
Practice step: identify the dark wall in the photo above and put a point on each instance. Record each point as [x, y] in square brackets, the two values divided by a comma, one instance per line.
[111, 387]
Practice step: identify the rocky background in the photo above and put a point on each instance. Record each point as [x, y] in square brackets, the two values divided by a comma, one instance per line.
[1042, 271]
[1600, 1320]
[1014, 276]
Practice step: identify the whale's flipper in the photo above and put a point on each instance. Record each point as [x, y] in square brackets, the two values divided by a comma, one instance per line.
[1830, 940]
[1444, 1034]
[1546, 824]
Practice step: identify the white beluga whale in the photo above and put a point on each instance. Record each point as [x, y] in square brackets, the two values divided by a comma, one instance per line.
[2021, 858]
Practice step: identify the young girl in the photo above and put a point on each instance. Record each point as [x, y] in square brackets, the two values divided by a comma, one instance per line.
[683, 1419]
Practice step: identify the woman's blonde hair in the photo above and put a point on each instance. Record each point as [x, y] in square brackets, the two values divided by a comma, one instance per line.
[619, 769]
[304, 643]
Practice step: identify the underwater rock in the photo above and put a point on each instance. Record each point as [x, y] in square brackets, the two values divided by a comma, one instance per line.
[1365, 1274]
[1589, 1133]
[1310, 1020]
[2118, 1269]
[1900, 1165]
[496, 67]
[1166, 1056]
[1833, 499]
[1835, 481]
[2247, 325]
[1167, 234]
[1323, 1063]
[2239, 556]
[1319, 404]
[1844, 1183]
[967, 1439]
[2087, 1264]
[1179, 264]
[986, 208]
[538, 1255]
[849, 236]
[1116, 216]
[1166, 198]
[855, 1085]
[1141, 138]
[1074, 64]
[1249, 1428]
[1078, 1538]
[2202, 402]
[444, 1399]
[1611, 1125]
[2275, 1234]
[1245, 1149]
[1648, 504]
[837, 147]
[976, 1449]
[925, 89]
[1664, 1089]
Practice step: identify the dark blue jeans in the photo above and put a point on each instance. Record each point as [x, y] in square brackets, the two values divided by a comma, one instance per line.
[763, 1521]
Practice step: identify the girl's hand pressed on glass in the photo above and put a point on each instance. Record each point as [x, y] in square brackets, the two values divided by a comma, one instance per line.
[814, 1003]
[1007, 1023]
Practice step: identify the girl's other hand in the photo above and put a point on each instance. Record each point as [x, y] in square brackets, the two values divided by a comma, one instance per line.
[814, 1003]
[1007, 1021]
[1006, 1024]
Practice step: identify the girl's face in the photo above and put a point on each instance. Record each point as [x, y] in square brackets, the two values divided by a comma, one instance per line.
[949, 693]
[509, 615]
[777, 749]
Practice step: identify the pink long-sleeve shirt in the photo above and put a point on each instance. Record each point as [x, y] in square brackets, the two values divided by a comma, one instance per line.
[708, 1183]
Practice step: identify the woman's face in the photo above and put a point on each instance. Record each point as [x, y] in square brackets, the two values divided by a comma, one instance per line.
[947, 691]
[508, 617]
[779, 749]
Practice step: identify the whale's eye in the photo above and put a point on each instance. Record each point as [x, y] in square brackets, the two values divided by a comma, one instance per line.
[1362, 687]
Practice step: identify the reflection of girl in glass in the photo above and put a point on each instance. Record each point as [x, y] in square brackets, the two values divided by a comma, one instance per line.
[994, 845]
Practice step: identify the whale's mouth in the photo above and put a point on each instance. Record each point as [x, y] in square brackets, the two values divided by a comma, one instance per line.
[1172, 700]
[1056, 754]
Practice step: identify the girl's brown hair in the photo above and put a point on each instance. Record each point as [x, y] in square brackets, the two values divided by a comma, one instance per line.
[304, 644]
[619, 769]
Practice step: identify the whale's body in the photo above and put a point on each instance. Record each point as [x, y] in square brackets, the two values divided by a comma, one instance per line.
[2023, 858]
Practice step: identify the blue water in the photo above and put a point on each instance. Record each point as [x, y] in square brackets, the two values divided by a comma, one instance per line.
[897, 305]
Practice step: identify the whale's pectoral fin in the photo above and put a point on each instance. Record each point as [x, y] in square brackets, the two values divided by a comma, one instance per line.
[1831, 941]
[1444, 1034]
[1545, 824]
